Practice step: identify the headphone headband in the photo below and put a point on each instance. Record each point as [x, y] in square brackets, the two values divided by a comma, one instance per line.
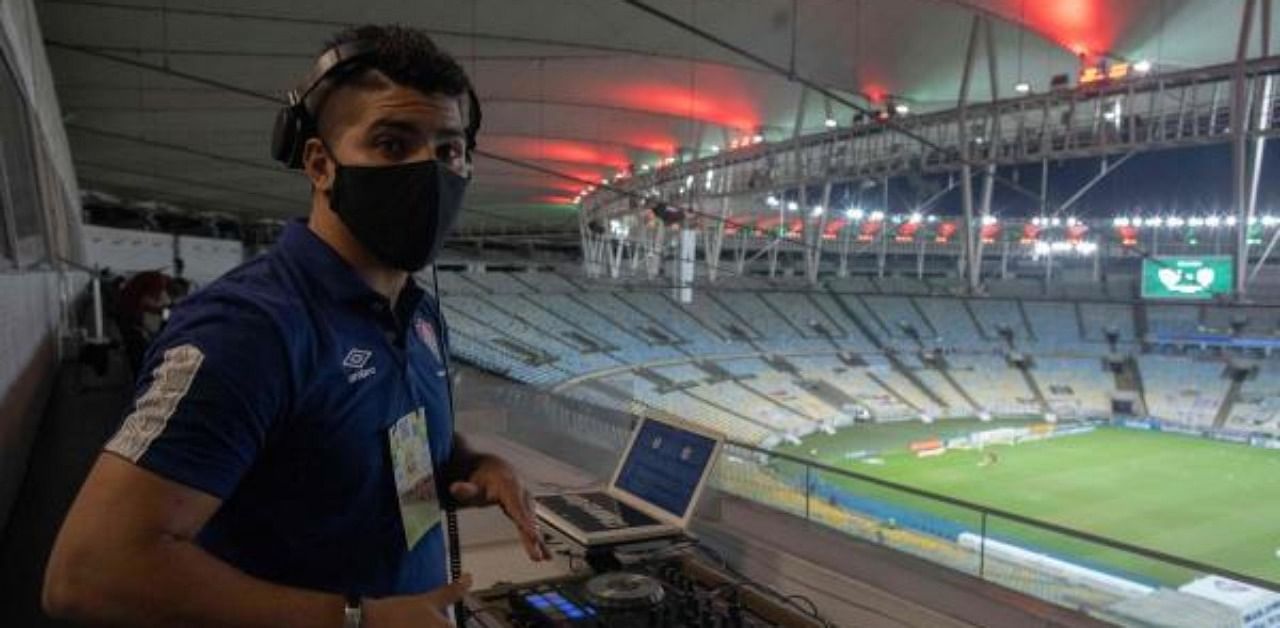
[329, 62]
[294, 123]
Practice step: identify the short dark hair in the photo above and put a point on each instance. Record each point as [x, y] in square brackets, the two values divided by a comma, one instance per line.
[405, 55]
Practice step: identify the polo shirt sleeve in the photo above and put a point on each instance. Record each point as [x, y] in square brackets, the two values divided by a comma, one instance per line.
[214, 382]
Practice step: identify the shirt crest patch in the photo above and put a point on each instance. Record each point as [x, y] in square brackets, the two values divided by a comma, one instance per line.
[427, 334]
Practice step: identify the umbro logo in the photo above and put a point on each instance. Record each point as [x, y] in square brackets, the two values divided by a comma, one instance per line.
[355, 362]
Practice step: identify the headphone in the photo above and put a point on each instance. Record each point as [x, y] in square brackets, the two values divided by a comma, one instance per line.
[294, 124]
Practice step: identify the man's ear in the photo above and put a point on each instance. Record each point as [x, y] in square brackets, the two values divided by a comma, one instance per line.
[318, 164]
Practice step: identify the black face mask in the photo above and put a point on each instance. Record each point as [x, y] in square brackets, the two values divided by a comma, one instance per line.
[400, 213]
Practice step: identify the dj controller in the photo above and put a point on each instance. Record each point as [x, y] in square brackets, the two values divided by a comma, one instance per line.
[669, 593]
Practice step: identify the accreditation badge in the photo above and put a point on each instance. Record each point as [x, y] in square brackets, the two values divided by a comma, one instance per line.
[414, 475]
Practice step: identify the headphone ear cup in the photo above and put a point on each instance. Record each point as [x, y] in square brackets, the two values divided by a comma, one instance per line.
[288, 137]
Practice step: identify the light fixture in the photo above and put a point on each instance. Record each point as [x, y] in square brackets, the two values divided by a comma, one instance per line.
[831, 123]
[817, 211]
[1120, 221]
[1231, 221]
[901, 109]
[1142, 66]
[715, 149]
[1022, 87]
[771, 201]
[1195, 221]
[792, 206]
[916, 217]
[1212, 221]
[877, 215]
[644, 167]
[990, 220]
[756, 139]
[853, 213]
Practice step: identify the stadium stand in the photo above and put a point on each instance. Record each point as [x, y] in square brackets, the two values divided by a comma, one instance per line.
[1183, 390]
[1056, 325]
[1173, 320]
[937, 383]
[992, 315]
[548, 282]
[801, 312]
[954, 325]
[996, 386]
[1257, 409]
[696, 338]
[782, 389]
[1074, 388]
[854, 338]
[895, 313]
[498, 282]
[1096, 318]
[543, 329]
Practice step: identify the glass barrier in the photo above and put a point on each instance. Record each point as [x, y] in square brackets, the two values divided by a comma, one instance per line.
[1117, 580]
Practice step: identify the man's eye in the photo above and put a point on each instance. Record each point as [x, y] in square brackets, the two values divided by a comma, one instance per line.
[448, 152]
[390, 146]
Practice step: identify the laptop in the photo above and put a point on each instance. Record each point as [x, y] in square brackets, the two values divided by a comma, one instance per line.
[651, 495]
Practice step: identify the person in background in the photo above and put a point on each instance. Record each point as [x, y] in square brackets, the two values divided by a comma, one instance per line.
[140, 313]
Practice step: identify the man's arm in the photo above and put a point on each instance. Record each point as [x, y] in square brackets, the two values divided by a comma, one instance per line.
[479, 479]
[126, 556]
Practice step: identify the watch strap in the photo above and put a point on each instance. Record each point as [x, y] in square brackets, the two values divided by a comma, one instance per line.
[353, 614]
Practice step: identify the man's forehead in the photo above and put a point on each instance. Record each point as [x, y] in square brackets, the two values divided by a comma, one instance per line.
[376, 99]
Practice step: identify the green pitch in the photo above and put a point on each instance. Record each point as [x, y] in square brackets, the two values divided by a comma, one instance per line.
[1213, 502]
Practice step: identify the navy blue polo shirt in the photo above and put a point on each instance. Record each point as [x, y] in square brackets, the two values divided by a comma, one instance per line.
[273, 389]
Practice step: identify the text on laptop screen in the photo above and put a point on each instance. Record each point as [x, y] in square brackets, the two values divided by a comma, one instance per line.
[665, 466]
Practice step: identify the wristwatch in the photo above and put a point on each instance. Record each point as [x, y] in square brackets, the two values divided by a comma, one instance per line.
[353, 614]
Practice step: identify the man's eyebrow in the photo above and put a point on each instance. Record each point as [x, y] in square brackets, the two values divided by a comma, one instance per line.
[407, 126]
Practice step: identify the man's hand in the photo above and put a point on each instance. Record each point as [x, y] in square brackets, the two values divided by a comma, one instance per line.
[494, 482]
[425, 610]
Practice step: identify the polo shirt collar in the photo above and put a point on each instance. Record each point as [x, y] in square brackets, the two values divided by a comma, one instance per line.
[330, 274]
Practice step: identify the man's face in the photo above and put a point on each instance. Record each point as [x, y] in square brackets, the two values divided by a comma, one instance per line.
[376, 122]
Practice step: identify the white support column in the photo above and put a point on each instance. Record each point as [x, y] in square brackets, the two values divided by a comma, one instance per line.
[966, 172]
[1259, 141]
[843, 270]
[924, 243]
[683, 277]
[715, 240]
[814, 226]
[1239, 151]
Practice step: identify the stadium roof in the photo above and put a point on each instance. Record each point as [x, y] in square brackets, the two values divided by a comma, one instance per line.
[164, 99]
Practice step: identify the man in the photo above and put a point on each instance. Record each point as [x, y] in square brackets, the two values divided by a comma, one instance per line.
[280, 462]
[140, 313]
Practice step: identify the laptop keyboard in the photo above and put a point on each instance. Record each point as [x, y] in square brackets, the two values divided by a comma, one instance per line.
[595, 512]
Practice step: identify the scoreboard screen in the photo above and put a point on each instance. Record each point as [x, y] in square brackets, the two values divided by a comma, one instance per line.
[1188, 277]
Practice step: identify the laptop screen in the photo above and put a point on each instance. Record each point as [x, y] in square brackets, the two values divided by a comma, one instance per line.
[665, 466]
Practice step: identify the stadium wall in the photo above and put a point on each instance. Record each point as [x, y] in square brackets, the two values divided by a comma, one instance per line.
[39, 238]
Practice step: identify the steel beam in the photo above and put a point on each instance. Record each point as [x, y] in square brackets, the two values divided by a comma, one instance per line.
[966, 173]
[1239, 151]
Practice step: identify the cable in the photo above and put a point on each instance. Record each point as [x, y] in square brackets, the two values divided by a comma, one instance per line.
[450, 510]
